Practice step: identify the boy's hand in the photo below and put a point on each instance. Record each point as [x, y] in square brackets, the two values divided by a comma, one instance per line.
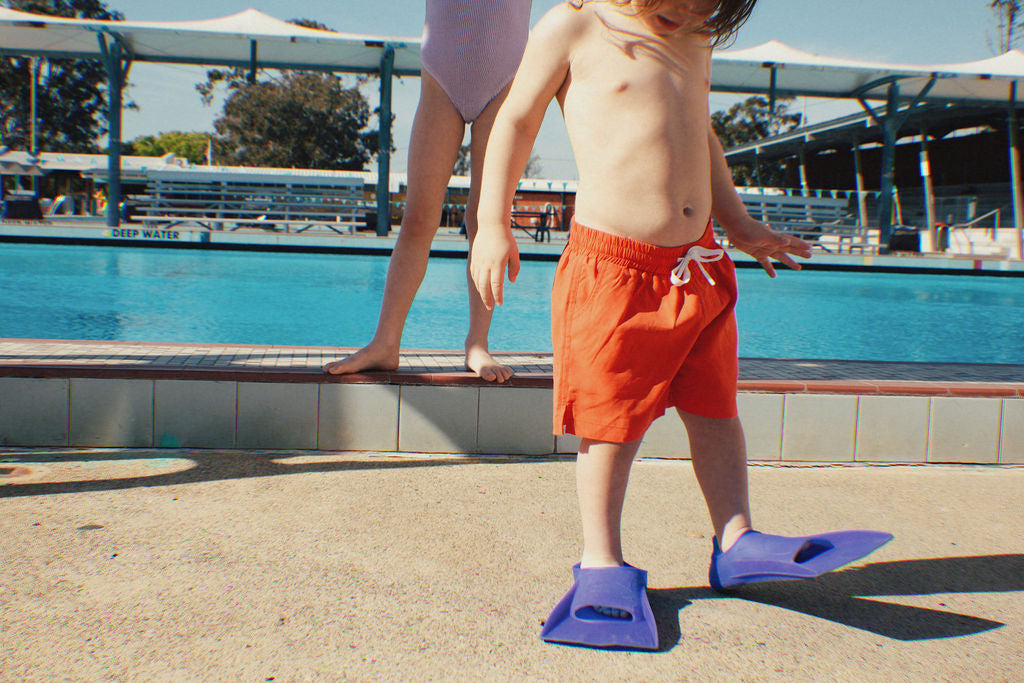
[757, 239]
[490, 256]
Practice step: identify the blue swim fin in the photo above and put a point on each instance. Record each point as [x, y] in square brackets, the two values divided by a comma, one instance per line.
[762, 557]
[574, 620]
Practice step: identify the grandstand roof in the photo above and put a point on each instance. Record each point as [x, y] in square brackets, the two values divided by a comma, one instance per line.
[934, 120]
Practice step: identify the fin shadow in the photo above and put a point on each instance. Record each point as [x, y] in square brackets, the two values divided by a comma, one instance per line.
[844, 597]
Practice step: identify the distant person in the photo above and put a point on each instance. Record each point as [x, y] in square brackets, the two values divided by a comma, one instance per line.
[471, 50]
[643, 298]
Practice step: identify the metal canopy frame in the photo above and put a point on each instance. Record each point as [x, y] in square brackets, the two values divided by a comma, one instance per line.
[250, 40]
[254, 40]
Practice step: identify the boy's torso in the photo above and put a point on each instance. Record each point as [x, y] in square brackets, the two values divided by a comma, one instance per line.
[636, 108]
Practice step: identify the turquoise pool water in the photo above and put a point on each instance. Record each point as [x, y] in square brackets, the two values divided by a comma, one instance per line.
[86, 292]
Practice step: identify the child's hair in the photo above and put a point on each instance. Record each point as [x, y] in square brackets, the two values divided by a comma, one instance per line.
[722, 25]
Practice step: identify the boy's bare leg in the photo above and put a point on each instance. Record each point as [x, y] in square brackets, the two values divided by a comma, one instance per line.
[602, 473]
[719, 455]
[437, 133]
[478, 356]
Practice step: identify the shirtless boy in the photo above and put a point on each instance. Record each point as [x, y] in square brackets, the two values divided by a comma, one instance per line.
[642, 305]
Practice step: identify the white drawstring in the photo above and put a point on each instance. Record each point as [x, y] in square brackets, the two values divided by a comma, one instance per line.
[698, 255]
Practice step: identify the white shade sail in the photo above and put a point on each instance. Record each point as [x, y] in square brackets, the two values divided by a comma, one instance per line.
[229, 41]
[803, 73]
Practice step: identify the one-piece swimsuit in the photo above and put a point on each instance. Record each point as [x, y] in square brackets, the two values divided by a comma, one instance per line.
[472, 48]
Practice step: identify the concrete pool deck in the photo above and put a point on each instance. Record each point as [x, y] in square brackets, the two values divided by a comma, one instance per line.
[265, 541]
[178, 564]
[135, 394]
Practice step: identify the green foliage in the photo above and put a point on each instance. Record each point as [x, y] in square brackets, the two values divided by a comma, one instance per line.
[462, 161]
[751, 120]
[301, 120]
[1009, 17]
[290, 118]
[191, 146]
[70, 93]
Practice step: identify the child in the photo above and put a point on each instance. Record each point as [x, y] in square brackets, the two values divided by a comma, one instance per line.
[470, 53]
[642, 304]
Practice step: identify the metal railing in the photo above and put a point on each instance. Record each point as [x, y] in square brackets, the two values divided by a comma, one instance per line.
[962, 230]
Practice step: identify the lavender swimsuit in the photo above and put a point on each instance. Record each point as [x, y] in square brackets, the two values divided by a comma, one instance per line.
[472, 48]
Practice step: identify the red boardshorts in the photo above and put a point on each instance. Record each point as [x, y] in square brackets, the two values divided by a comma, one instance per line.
[637, 328]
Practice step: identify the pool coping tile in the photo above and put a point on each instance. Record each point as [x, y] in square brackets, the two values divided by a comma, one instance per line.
[46, 358]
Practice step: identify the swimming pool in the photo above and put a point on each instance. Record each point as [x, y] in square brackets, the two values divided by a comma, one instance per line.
[124, 293]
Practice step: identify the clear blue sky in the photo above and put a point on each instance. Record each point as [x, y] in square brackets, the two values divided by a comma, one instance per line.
[907, 31]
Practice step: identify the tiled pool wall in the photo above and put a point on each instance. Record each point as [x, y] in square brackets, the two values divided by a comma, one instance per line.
[789, 424]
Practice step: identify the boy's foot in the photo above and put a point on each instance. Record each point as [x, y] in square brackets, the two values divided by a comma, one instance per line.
[480, 361]
[757, 557]
[606, 607]
[369, 357]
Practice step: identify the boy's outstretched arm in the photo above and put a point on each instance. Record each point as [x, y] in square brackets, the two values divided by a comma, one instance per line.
[542, 72]
[745, 232]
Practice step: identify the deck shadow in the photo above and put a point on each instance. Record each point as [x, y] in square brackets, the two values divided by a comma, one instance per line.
[215, 465]
[844, 597]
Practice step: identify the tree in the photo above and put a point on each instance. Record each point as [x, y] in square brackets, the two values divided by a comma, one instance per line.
[191, 146]
[70, 93]
[1009, 15]
[291, 119]
[751, 120]
[301, 120]
[462, 166]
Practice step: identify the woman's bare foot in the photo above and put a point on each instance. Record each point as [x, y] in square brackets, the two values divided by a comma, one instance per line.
[480, 361]
[370, 357]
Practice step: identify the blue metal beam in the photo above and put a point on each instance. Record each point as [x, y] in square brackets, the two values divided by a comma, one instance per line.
[253, 61]
[387, 64]
[890, 124]
[116, 72]
[1013, 144]
[889, 128]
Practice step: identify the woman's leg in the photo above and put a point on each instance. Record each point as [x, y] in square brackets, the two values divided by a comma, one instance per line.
[478, 356]
[602, 473]
[437, 133]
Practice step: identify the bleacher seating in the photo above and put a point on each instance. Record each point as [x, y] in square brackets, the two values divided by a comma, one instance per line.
[222, 201]
[826, 222]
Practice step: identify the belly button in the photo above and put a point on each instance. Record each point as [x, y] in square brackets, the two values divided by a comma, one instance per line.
[689, 211]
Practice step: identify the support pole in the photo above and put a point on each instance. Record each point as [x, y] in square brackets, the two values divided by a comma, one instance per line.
[253, 61]
[760, 183]
[929, 192]
[862, 194]
[802, 157]
[387, 65]
[889, 128]
[1015, 180]
[115, 84]
[804, 187]
[33, 147]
